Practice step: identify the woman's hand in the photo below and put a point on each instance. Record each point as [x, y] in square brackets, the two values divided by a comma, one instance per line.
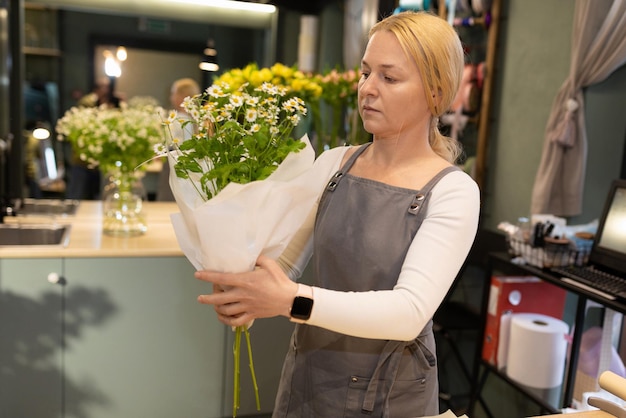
[239, 298]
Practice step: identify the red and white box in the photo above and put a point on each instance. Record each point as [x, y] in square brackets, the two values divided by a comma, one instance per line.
[516, 294]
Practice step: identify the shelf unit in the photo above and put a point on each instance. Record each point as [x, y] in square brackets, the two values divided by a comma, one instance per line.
[501, 263]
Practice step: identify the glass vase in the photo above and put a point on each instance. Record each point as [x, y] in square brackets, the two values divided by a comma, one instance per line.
[122, 209]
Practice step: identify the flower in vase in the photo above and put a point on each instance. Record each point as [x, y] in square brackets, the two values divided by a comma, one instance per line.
[339, 88]
[118, 140]
[339, 95]
[297, 82]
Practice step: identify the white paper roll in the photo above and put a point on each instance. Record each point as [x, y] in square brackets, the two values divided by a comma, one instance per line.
[503, 339]
[537, 350]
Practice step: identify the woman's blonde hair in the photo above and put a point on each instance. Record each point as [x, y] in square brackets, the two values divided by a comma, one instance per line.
[186, 87]
[436, 49]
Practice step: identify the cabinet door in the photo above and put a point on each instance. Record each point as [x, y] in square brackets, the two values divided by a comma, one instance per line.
[31, 377]
[141, 345]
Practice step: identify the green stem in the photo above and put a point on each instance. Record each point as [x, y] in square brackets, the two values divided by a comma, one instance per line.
[236, 382]
[317, 126]
[237, 367]
[252, 373]
[337, 125]
[193, 183]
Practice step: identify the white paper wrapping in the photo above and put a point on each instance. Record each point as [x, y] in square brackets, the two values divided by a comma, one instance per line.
[537, 350]
[228, 232]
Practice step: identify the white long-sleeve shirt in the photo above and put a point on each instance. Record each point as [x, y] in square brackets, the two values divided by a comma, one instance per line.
[434, 259]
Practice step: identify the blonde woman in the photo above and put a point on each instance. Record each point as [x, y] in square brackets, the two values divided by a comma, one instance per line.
[392, 228]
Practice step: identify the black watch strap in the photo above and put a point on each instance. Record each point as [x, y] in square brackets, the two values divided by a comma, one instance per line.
[302, 304]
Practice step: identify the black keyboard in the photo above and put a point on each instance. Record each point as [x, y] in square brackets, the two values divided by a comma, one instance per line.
[603, 283]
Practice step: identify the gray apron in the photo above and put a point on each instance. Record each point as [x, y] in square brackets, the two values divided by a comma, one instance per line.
[363, 231]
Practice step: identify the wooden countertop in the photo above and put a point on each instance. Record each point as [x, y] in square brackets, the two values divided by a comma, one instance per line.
[87, 240]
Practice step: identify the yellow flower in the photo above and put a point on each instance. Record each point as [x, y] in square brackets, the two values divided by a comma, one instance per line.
[265, 75]
[278, 74]
[282, 70]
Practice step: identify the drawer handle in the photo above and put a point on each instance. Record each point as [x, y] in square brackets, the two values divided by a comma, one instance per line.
[54, 278]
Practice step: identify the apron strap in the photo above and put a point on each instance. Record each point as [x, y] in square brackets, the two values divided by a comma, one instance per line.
[392, 356]
[334, 181]
[392, 353]
[421, 198]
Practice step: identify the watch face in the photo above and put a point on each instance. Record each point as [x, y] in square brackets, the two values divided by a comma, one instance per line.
[301, 308]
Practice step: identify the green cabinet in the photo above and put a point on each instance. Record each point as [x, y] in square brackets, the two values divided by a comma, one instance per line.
[123, 337]
[31, 339]
[137, 342]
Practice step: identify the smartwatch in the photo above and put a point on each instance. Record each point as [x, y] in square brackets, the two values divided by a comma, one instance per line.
[302, 304]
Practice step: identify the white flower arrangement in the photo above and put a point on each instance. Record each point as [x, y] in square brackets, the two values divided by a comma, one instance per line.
[233, 181]
[115, 139]
[236, 136]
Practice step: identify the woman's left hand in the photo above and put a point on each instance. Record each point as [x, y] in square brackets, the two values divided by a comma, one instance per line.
[239, 298]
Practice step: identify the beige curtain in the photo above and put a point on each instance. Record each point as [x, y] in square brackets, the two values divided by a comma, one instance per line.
[598, 49]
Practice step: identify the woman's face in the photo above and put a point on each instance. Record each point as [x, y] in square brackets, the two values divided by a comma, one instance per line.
[391, 93]
[176, 99]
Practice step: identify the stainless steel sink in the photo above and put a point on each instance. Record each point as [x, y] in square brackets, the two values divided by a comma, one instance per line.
[34, 234]
[47, 207]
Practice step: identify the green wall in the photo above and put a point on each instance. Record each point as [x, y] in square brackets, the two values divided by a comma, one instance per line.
[534, 61]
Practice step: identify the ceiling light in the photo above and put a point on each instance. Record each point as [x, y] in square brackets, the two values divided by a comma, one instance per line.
[121, 53]
[210, 62]
[41, 133]
[112, 67]
[209, 66]
[234, 5]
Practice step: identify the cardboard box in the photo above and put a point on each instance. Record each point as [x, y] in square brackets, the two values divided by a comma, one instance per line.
[516, 294]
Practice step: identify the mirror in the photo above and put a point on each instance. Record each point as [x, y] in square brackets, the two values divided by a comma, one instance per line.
[64, 42]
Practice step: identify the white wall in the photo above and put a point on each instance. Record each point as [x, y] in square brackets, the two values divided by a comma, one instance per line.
[150, 73]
